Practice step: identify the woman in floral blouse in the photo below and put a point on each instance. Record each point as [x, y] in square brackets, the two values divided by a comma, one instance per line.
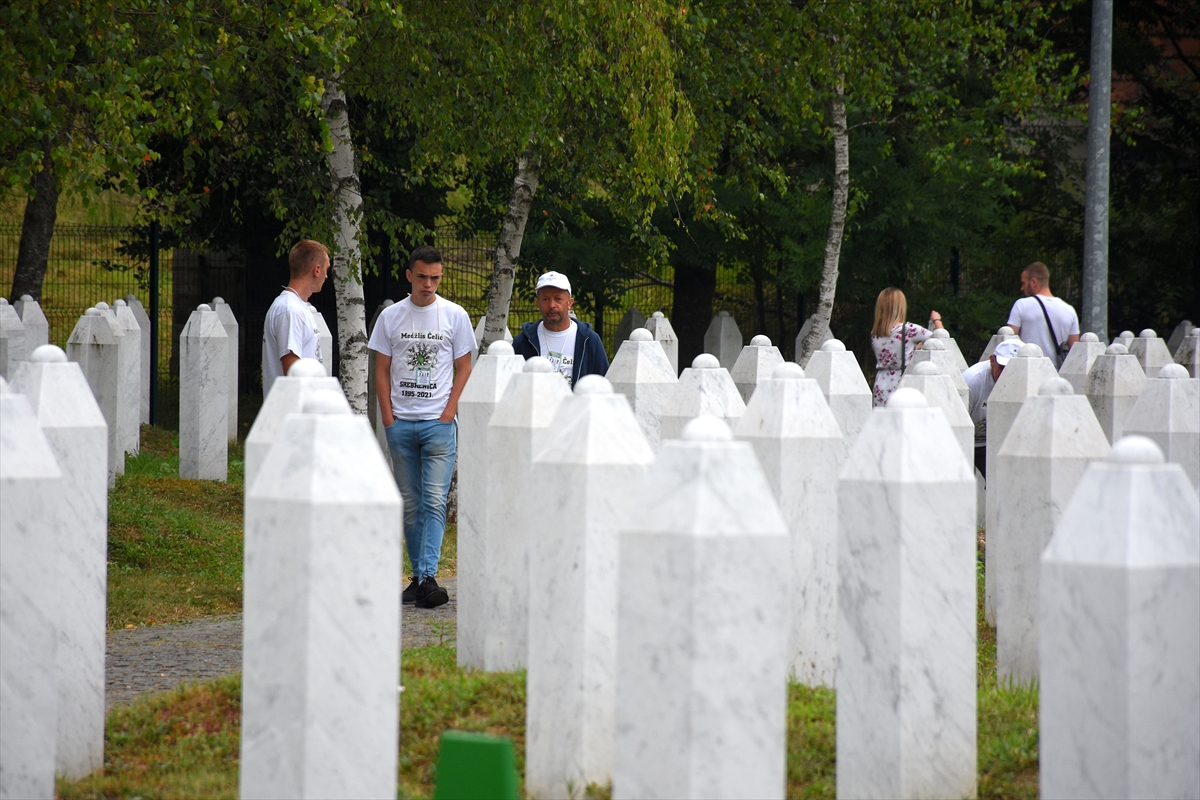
[889, 331]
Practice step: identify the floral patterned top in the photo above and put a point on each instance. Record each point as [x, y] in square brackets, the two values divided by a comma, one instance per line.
[887, 358]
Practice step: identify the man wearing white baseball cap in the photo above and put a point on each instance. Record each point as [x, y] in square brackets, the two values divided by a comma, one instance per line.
[981, 379]
[571, 345]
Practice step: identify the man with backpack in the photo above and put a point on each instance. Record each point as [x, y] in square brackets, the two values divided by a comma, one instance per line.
[1041, 318]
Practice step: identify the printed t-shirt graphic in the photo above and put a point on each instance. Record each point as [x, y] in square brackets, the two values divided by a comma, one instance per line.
[558, 347]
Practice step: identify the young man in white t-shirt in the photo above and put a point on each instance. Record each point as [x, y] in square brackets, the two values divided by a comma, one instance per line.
[1041, 318]
[422, 361]
[290, 332]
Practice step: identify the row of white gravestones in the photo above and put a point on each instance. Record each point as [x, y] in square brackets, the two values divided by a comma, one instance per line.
[230, 324]
[203, 397]
[704, 388]
[1040, 463]
[754, 365]
[1188, 354]
[837, 373]
[1120, 644]
[723, 339]
[94, 346]
[641, 371]
[662, 332]
[320, 706]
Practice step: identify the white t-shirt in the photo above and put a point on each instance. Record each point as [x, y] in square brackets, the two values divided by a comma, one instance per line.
[559, 348]
[289, 328]
[1027, 315]
[423, 343]
[980, 382]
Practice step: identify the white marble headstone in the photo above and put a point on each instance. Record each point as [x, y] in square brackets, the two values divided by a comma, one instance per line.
[701, 680]
[754, 365]
[1048, 448]
[1178, 334]
[836, 371]
[801, 449]
[1003, 334]
[127, 349]
[597, 459]
[1188, 353]
[321, 652]
[37, 327]
[93, 346]
[704, 388]
[952, 346]
[1079, 361]
[906, 691]
[934, 352]
[642, 373]
[660, 327]
[939, 392]
[203, 397]
[130, 413]
[324, 338]
[286, 397]
[1124, 338]
[373, 413]
[804, 330]
[1168, 413]
[489, 378]
[12, 339]
[1150, 351]
[1120, 643]
[143, 320]
[631, 321]
[230, 324]
[723, 339]
[1112, 387]
[508, 337]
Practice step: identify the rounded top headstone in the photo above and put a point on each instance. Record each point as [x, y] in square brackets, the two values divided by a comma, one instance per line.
[1147, 333]
[1174, 371]
[1136, 450]
[641, 335]
[926, 368]
[1028, 350]
[907, 398]
[1194, 332]
[760, 341]
[934, 344]
[941, 333]
[119, 304]
[218, 301]
[25, 298]
[1056, 386]
[1005, 331]
[833, 346]
[92, 312]
[389, 302]
[1125, 335]
[787, 371]
[53, 354]
[324, 401]
[657, 315]
[707, 428]
[307, 368]
[500, 348]
[1117, 349]
[204, 307]
[3, 301]
[538, 364]
[1089, 337]
[723, 313]
[103, 306]
[593, 384]
[706, 361]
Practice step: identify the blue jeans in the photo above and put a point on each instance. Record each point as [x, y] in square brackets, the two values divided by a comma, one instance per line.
[423, 456]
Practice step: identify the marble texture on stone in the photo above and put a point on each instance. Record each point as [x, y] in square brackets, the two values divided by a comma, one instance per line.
[754, 365]
[801, 449]
[1120, 643]
[143, 320]
[952, 346]
[939, 392]
[1021, 378]
[130, 414]
[1079, 360]
[1048, 448]
[12, 339]
[1003, 334]
[286, 397]
[1150, 351]
[804, 330]
[203, 402]
[1124, 338]
[37, 327]
[934, 352]
[836, 371]
[630, 322]
[704, 388]
[1168, 413]
[1112, 387]
[660, 327]
[324, 338]
[321, 652]
[701, 682]
[598, 458]
[906, 691]
[230, 324]
[642, 373]
[508, 337]
[518, 430]
[489, 378]
[127, 423]
[74, 427]
[93, 346]
[723, 339]
[31, 541]
[1188, 353]
[373, 415]
[1178, 334]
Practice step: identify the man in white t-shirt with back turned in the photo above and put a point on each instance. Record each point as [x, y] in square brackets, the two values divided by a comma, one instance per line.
[290, 332]
[422, 361]
[1041, 318]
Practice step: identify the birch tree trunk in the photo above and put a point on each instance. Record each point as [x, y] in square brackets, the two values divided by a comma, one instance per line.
[837, 224]
[508, 249]
[347, 251]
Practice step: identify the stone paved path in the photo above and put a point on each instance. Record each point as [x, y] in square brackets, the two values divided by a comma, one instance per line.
[160, 657]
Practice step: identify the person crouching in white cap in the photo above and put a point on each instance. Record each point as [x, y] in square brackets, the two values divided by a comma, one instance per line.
[981, 379]
[571, 345]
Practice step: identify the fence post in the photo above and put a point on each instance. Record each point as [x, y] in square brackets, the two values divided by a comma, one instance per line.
[154, 281]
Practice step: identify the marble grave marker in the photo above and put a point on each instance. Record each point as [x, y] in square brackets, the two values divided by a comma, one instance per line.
[1188, 353]
[1150, 351]
[939, 392]
[704, 388]
[723, 339]
[836, 371]
[935, 352]
[203, 403]
[230, 324]
[130, 414]
[642, 373]
[1112, 387]
[1079, 360]
[1168, 413]
[37, 327]
[660, 327]
[93, 346]
[952, 346]
[754, 365]
[143, 321]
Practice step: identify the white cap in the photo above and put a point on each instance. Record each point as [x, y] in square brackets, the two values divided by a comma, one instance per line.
[555, 279]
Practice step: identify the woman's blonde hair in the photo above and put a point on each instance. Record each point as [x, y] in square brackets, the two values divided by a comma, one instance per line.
[890, 310]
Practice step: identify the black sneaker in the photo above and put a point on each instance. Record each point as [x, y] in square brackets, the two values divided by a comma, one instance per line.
[410, 594]
[430, 595]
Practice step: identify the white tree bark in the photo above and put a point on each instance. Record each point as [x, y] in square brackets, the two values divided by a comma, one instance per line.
[346, 256]
[508, 249]
[837, 225]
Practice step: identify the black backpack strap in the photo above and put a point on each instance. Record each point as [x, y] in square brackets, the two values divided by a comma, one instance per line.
[1058, 346]
[903, 341]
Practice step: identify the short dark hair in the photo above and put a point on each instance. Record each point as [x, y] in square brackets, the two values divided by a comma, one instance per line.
[1039, 271]
[304, 255]
[425, 254]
